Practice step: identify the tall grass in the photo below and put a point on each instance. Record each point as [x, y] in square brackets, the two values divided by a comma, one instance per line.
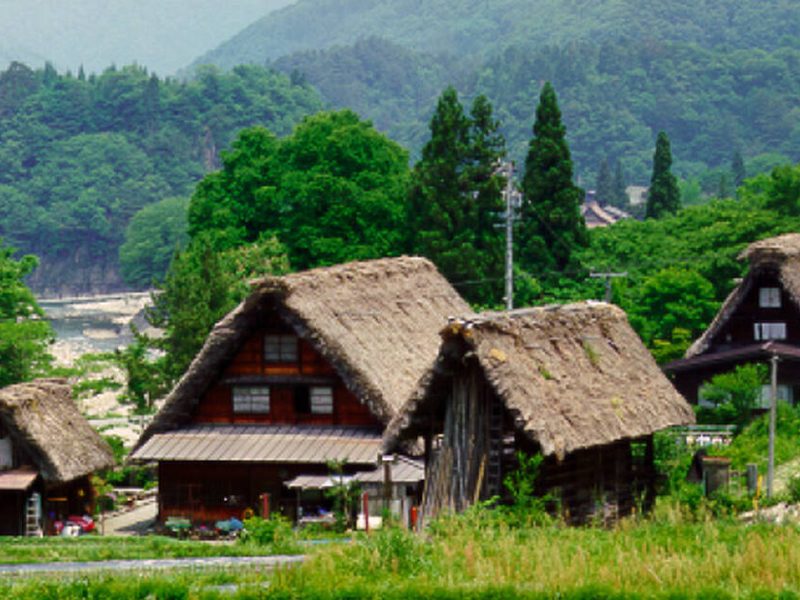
[668, 558]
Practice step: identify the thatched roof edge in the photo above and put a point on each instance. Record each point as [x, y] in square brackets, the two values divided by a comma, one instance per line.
[43, 419]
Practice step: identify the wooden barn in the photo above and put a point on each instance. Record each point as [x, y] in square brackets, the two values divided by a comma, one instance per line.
[574, 383]
[759, 319]
[308, 369]
[48, 452]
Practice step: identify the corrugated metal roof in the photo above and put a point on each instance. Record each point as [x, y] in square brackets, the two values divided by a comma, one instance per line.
[17, 480]
[404, 470]
[263, 443]
[317, 482]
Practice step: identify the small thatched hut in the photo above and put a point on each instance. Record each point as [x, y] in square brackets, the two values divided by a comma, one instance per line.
[308, 369]
[574, 383]
[47, 453]
[759, 319]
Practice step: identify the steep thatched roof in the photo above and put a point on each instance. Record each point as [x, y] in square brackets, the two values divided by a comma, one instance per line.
[44, 421]
[572, 376]
[781, 253]
[374, 321]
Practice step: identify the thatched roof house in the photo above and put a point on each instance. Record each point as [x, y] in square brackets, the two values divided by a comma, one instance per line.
[358, 335]
[760, 318]
[47, 453]
[375, 322]
[44, 423]
[558, 380]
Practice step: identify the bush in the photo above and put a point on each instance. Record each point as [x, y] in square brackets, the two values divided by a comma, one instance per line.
[275, 532]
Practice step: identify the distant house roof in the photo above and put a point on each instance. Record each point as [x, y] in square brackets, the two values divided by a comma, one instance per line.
[375, 322]
[601, 216]
[43, 419]
[781, 253]
[572, 376]
[263, 443]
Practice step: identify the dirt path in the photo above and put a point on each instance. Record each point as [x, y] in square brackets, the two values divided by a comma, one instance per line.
[133, 522]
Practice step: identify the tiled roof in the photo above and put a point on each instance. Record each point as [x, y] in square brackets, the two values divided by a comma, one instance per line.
[263, 443]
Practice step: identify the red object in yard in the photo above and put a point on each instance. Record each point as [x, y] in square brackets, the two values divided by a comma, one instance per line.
[414, 514]
[86, 523]
[265, 505]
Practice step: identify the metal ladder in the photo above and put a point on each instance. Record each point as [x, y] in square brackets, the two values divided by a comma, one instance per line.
[494, 470]
[33, 525]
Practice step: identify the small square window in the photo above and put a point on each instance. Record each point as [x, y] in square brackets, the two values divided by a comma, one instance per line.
[769, 297]
[322, 400]
[769, 331]
[280, 348]
[251, 400]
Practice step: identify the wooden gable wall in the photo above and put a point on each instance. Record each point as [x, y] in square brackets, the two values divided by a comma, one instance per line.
[738, 330]
[287, 382]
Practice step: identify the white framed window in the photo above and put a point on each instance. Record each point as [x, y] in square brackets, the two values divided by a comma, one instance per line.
[784, 393]
[251, 399]
[280, 348]
[769, 297]
[769, 331]
[321, 400]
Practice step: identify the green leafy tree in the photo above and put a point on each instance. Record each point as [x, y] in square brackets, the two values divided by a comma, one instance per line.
[551, 227]
[734, 395]
[201, 286]
[663, 196]
[670, 308]
[24, 334]
[456, 198]
[783, 190]
[151, 238]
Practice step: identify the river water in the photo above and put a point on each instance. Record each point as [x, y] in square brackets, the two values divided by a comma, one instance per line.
[93, 324]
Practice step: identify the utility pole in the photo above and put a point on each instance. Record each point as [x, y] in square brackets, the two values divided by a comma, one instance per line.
[773, 409]
[509, 195]
[608, 277]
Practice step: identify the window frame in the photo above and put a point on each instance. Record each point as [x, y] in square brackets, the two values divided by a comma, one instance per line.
[246, 405]
[317, 392]
[769, 297]
[288, 348]
[767, 331]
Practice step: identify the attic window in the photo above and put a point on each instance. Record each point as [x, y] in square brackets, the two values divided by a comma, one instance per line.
[769, 297]
[251, 400]
[769, 331]
[280, 348]
[322, 400]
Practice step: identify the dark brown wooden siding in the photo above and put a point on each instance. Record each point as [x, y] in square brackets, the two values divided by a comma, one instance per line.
[286, 381]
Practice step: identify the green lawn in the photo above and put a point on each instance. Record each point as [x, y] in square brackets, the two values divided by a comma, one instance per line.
[93, 548]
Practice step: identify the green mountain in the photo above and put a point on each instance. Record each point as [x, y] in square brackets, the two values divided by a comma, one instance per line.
[478, 27]
[718, 76]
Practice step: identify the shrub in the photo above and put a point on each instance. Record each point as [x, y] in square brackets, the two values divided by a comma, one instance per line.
[275, 532]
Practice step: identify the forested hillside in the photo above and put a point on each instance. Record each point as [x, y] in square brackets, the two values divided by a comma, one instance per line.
[470, 27]
[717, 76]
[615, 95]
[79, 156]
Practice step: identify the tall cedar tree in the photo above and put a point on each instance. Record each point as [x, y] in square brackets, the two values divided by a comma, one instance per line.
[456, 198]
[621, 199]
[738, 169]
[604, 187]
[664, 197]
[551, 226]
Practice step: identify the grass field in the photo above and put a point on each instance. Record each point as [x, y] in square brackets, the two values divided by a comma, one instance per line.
[475, 556]
[94, 548]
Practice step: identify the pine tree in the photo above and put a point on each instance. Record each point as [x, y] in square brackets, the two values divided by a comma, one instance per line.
[604, 186]
[620, 194]
[723, 190]
[551, 225]
[663, 198]
[456, 198]
[738, 169]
